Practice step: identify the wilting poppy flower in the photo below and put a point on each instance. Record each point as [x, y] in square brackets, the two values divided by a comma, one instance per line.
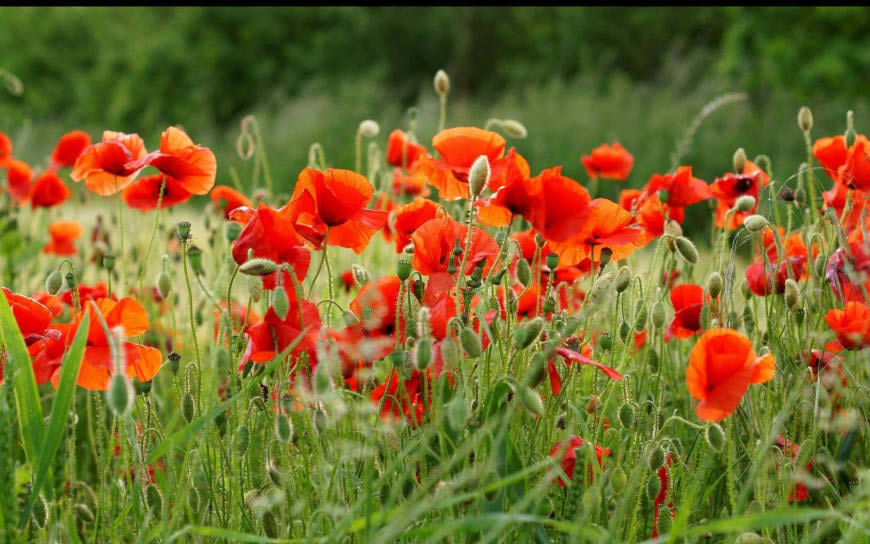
[681, 188]
[721, 367]
[459, 148]
[70, 146]
[731, 186]
[48, 190]
[401, 151]
[609, 162]
[610, 227]
[688, 300]
[144, 193]
[336, 200]
[194, 167]
[109, 166]
[409, 217]
[569, 458]
[63, 233]
[18, 175]
[851, 325]
[270, 234]
[435, 240]
[227, 199]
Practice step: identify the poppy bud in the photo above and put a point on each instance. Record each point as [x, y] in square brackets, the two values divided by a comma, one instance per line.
[755, 223]
[601, 284]
[450, 353]
[514, 129]
[369, 128]
[258, 267]
[194, 255]
[739, 160]
[39, 512]
[605, 255]
[799, 316]
[232, 231]
[154, 500]
[397, 358]
[656, 458]
[535, 374]
[532, 400]
[673, 230]
[791, 294]
[173, 360]
[640, 316]
[800, 196]
[457, 414]
[715, 437]
[188, 406]
[850, 135]
[270, 525]
[653, 486]
[283, 428]
[618, 479]
[805, 119]
[255, 287]
[658, 314]
[54, 282]
[593, 404]
[528, 333]
[70, 280]
[360, 274]
[748, 320]
[478, 176]
[350, 318]
[745, 203]
[280, 302]
[84, 513]
[623, 279]
[652, 359]
[552, 261]
[423, 353]
[624, 330]
[242, 439]
[591, 502]
[744, 288]
[470, 342]
[705, 317]
[627, 415]
[549, 304]
[164, 285]
[787, 195]
[714, 284]
[687, 250]
[441, 82]
[120, 394]
[820, 264]
[419, 289]
[524, 272]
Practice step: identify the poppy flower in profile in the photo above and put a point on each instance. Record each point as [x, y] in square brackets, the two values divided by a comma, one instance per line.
[561, 214]
[688, 300]
[193, 166]
[227, 199]
[722, 364]
[110, 165]
[270, 234]
[403, 152]
[18, 175]
[838, 196]
[336, 200]
[435, 240]
[409, 217]
[663, 475]
[144, 193]
[679, 189]
[88, 292]
[48, 190]
[611, 227]
[70, 146]
[63, 233]
[459, 147]
[568, 460]
[851, 325]
[608, 162]
[731, 186]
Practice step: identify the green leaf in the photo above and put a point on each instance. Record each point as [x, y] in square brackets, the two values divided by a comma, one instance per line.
[23, 383]
[63, 402]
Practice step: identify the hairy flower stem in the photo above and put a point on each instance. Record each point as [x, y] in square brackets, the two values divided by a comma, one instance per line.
[190, 311]
[153, 235]
[121, 258]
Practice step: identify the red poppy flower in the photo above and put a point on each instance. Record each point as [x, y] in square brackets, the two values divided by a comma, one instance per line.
[688, 300]
[19, 176]
[227, 199]
[347, 280]
[375, 305]
[273, 335]
[851, 325]
[410, 217]
[850, 285]
[459, 148]
[5, 148]
[435, 240]
[838, 196]
[608, 162]
[401, 151]
[721, 367]
[571, 356]
[764, 279]
[408, 402]
[194, 167]
[336, 200]
[63, 233]
[831, 153]
[799, 492]
[270, 234]
[610, 227]
[650, 213]
[569, 458]
[730, 187]
[87, 292]
[855, 172]
[662, 495]
[681, 188]
[70, 146]
[413, 184]
[514, 193]
[48, 190]
[562, 213]
[109, 166]
[53, 302]
[33, 319]
[144, 193]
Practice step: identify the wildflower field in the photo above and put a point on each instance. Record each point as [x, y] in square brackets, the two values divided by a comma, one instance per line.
[439, 342]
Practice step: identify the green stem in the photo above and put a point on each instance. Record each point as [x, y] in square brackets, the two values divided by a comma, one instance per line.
[153, 235]
[190, 305]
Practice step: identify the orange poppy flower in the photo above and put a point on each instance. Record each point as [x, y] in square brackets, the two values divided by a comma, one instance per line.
[413, 184]
[721, 367]
[831, 153]
[459, 147]
[515, 193]
[336, 200]
[611, 227]
[144, 193]
[194, 167]
[48, 190]
[851, 325]
[855, 172]
[109, 166]
[227, 199]
[70, 146]
[609, 162]
[838, 196]
[569, 458]
[681, 187]
[402, 152]
[5, 148]
[409, 217]
[730, 187]
[650, 213]
[63, 233]
[688, 301]
[435, 240]
[19, 175]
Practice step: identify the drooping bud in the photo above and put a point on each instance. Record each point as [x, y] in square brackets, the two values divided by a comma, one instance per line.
[280, 302]
[457, 413]
[470, 342]
[258, 267]
[850, 135]
[640, 316]
[535, 374]
[441, 82]
[120, 394]
[715, 437]
[656, 458]
[514, 129]
[360, 274]
[745, 203]
[623, 279]
[528, 333]
[154, 500]
[714, 284]
[71, 280]
[369, 128]
[627, 415]
[658, 314]
[284, 428]
[532, 400]
[624, 331]
[791, 294]
[739, 160]
[39, 513]
[270, 525]
[618, 479]
[687, 250]
[653, 486]
[350, 319]
[524, 272]
[255, 287]
[673, 230]
[194, 255]
[593, 404]
[450, 353]
[805, 119]
[242, 439]
[478, 176]
[755, 223]
[54, 282]
[604, 257]
[188, 406]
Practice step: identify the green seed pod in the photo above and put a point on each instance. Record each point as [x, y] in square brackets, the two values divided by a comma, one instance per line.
[423, 353]
[280, 302]
[687, 250]
[623, 279]
[84, 513]
[524, 272]
[532, 400]
[182, 231]
[242, 439]
[457, 413]
[108, 261]
[640, 316]
[755, 223]
[549, 305]
[528, 333]
[478, 175]
[552, 261]
[173, 360]
[715, 437]
[618, 479]
[714, 284]
[745, 203]
[188, 406]
[154, 500]
[403, 267]
[141, 388]
[120, 395]
[624, 331]
[799, 316]
[258, 267]
[270, 525]
[54, 282]
[283, 429]
[791, 294]
[232, 231]
[656, 458]
[605, 341]
[805, 119]
[653, 486]
[658, 314]
[470, 342]
[739, 160]
[627, 416]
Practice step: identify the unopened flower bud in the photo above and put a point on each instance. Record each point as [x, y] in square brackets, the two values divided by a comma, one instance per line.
[687, 250]
[805, 119]
[714, 284]
[360, 274]
[457, 413]
[739, 159]
[605, 255]
[674, 231]
[528, 333]
[369, 128]
[658, 314]
[745, 203]
[593, 404]
[791, 294]
[850, 135]
[450, 353]
[188, 406]
[478, 176]
[715, 437]
[640, 316]
[470, 342]
[242, 439]
[627, 415]
[618, 479]
[40, 511]
[270, 525]
[514, 129]
[653, 486]
[524, 272]
[154, 500]
[258, 267]
[423, 353]
[532, 400]
[623, 279]
[755, 223]
[120, 394]
[54, 282]
[441, 82]
[284, 428]
[164, 285]
[194, 255]
[350, 319]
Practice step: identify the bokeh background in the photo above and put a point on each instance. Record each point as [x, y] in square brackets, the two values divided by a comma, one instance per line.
[576, 77]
